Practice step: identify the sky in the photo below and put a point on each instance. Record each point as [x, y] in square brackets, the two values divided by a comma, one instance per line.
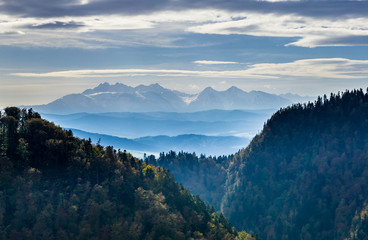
[52, 48]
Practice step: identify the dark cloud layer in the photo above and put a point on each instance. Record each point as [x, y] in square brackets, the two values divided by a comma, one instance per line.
[47, 8]
[58, 24]
[347, 40]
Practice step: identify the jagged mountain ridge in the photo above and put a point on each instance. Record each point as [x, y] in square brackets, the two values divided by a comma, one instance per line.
[122, 98]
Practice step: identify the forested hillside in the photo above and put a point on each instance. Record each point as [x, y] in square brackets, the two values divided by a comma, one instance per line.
[205, 176]
[55, 186]
[305, 176]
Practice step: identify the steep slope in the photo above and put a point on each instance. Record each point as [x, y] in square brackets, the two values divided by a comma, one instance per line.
[55, 186]
[203, 176]
[70, 103]
[306, 175]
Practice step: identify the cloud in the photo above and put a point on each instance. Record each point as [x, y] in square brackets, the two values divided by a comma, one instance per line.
[194, 87]
[207, 62]
[348, 40]
[10, 33]
[58, 24]
[310, 32]
[166, 28]
[161, 29]
[88, 73]
[78, 32]
[278, 0]
[46, 8]
[331, 68]
[337, 68]
[140, 22]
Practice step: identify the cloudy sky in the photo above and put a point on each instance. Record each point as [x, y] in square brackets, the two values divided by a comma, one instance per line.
[51, 48]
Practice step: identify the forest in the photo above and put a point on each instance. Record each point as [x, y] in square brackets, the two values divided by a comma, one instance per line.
[56, 186]
[305, 176]
[203, 176]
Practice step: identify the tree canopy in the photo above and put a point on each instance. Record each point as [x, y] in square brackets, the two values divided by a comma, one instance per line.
[305, 176]
[56, 186]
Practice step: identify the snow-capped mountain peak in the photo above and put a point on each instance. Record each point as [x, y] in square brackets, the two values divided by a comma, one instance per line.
[150, 98]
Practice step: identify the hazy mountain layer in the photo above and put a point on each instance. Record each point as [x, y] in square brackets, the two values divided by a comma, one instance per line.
[153, 98]
[200, 144]
[135, 125]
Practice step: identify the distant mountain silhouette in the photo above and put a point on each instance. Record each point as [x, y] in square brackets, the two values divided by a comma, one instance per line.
[136, 125]
[151, 98]
[200, 144]
[235, 98]
[295, 98]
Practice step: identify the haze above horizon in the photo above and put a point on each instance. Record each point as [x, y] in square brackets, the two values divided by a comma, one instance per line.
[50, 49]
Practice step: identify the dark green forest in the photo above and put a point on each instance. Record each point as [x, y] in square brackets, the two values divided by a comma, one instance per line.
[56, 186]
[305, 176]
[205, 176]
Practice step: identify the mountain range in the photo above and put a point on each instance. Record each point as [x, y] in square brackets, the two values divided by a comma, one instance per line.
[213, 132]
[154, 98]
[136, 125]
[152, 118]
[200, 144]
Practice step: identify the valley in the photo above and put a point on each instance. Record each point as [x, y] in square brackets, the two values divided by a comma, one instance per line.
[303, 176]
[184, 120]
